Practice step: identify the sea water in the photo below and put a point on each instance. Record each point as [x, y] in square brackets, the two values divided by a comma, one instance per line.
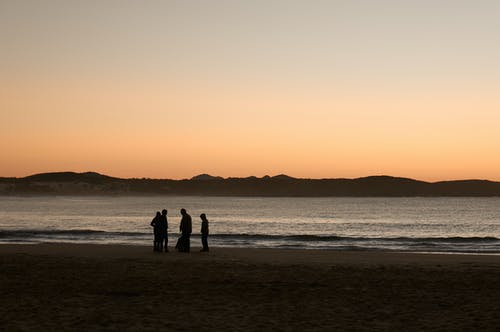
[416, 224]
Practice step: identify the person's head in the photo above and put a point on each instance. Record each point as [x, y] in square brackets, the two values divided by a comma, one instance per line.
[158, 213]
[183, 211]
[164, 212]
[203, 216]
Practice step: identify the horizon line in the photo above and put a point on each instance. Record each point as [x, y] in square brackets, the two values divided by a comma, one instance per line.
[250, 176]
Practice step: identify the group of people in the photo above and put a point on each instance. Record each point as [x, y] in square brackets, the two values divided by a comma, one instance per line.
[160, 227]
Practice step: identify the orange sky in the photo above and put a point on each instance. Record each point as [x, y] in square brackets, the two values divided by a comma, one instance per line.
[311, 89]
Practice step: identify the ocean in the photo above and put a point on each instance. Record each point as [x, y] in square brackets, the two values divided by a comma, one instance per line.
[416, 224]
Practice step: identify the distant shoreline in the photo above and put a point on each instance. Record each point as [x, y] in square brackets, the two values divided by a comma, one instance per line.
[53, 195]
[94, 184]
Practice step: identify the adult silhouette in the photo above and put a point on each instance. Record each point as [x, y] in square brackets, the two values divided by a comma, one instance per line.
[164, 230]
[186, 229]
[156, 224]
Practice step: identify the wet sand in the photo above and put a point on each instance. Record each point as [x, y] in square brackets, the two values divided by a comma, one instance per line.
[130, 288]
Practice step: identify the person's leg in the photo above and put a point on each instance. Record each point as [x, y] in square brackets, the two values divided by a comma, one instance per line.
[204, 242]
[182, 244]
[157, 242]
[166, 242]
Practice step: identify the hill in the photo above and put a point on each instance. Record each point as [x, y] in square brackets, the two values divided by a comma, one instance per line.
[91, 183]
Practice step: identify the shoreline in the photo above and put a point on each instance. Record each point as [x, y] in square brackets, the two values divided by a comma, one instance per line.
[256, 255]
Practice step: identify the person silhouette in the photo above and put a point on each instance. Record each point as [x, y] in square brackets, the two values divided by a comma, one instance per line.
[204, 232]
[164, 230]
[156, 224]
[186, 229]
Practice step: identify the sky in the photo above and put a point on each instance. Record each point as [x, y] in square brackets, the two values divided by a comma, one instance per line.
[312, 89]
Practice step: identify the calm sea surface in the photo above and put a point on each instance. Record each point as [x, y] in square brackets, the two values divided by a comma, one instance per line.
[409, 224]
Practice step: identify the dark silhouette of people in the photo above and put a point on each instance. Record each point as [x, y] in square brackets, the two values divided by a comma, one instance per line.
[204, 232]
[183, 244]
[156, 224]
[164, 230]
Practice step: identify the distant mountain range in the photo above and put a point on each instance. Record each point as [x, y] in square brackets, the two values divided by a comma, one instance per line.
[91, 183]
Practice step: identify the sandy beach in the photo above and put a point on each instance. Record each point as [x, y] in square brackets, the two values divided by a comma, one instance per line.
[112, 287]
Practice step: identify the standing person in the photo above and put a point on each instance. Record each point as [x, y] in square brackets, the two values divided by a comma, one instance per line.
[186, 229]
[204, 232]
[164, 230]
[155, 223]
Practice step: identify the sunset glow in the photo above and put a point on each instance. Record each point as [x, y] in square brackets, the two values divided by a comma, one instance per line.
[312, 89]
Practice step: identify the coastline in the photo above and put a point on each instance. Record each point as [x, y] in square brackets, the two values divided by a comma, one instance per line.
[116, 287]
[251, 255]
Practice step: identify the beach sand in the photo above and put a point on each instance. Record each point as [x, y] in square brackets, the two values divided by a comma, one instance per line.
[129, 288]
